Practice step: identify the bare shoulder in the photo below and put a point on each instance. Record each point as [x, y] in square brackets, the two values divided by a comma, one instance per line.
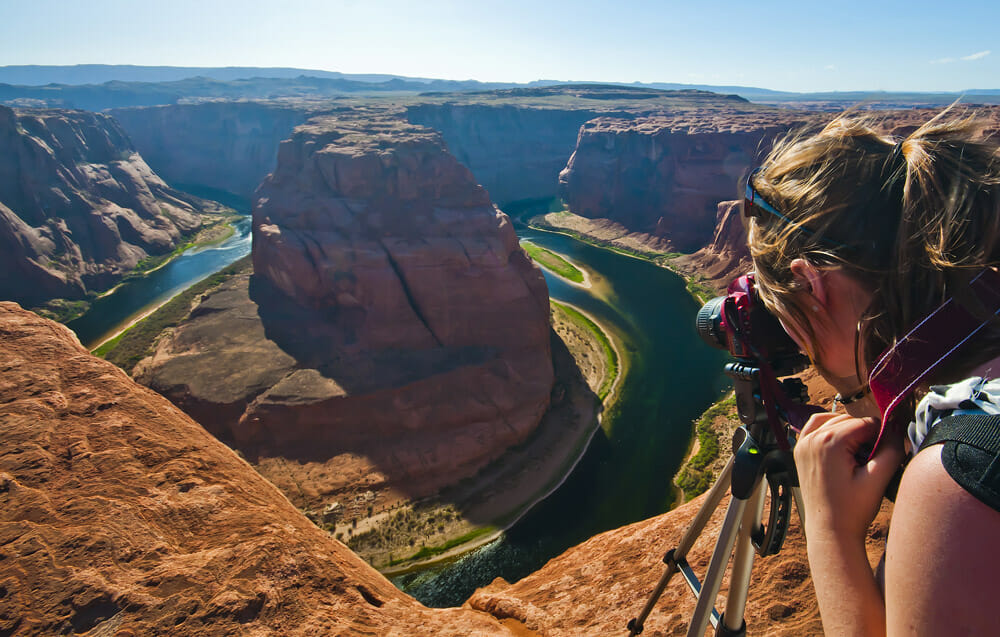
[941, 559]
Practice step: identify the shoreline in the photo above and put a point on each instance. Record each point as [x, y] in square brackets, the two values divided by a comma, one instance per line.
[581, 446]
[153, 307]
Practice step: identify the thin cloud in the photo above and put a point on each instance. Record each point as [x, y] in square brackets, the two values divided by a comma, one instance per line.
[965, 58]
[976, 56]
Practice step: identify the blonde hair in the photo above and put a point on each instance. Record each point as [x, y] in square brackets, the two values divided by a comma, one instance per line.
[910, 219]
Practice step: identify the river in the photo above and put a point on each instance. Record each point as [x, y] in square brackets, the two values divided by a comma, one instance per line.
[625, 474]
[109, 314]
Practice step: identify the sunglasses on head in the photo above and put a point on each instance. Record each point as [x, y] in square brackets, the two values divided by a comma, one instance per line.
[754, 205]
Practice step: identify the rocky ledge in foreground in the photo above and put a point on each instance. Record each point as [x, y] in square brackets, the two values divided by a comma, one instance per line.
[78, 206]
[393, 335]
[120, 515]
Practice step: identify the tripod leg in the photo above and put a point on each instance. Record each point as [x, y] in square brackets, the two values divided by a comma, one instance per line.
[717, 568]
[797, 494]
[675, 559]
[739, 579]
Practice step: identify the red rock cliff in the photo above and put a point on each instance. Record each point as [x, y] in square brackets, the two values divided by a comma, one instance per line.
[78, 206]
[666, 174]
[394, 333]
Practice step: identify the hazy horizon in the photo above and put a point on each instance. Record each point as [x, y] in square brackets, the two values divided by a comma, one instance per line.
[781, 45]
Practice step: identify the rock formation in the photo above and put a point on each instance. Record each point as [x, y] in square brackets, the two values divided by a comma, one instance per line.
[595, 588]
[78, 206]
[727, 256]
[515, 151]
[227, 146]
[394, 333]
[665, 174]
[120, 515]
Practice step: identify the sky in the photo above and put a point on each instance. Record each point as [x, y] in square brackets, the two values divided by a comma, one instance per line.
[944, 45]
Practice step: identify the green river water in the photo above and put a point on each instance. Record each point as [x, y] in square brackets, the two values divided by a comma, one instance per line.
[626, 472]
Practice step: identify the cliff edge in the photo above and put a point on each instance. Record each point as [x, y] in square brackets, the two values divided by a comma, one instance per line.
[121, 515]
[78, 206]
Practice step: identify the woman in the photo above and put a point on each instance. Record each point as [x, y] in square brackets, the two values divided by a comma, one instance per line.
[855, 237]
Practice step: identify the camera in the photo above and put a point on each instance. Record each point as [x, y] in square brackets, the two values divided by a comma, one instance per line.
[739, 323]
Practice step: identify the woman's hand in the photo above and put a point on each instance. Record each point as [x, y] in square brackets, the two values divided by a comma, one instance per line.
[841, 496]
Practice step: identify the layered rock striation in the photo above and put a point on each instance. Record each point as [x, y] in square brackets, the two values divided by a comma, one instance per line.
[78, 206]
[665, 175]
[515, 151]
[121, 515]
[225, 146]
[394, 334]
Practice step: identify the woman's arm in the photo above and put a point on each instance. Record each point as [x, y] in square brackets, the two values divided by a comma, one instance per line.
[841, 499]
[942, 562]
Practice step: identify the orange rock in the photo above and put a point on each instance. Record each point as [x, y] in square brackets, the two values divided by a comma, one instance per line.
[120, 515]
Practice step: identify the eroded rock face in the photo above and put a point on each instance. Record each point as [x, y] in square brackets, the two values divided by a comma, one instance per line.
[515, 152]
[666, 174]
[392, 316]
[120, 515]
[595, 588]
[727, 256]
[78, 206]
[229, 146]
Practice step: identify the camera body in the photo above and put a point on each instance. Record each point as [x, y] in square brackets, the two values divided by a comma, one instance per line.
[739, 323]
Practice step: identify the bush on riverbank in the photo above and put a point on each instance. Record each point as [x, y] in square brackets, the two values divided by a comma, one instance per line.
[698, 474]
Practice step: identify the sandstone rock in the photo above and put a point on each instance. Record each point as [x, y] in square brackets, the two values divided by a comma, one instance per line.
[515, 151]
[727, 256]
[596, 587]
[393, 334]
[120, 515]
[666, 174]
[78, 206]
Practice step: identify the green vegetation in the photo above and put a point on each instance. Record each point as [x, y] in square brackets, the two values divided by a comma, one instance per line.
[697, 476]
[206, 236]
[611, 357]
[135, 343]
[62, 310]
[431, 551]
[553, 262]
[697, 288]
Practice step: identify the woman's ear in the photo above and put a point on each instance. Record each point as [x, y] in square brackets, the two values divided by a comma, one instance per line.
[810, 281]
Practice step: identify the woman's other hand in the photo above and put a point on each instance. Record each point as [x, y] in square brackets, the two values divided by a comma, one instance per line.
[842, 492]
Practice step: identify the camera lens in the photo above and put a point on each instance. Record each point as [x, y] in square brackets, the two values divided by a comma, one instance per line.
[709, 323]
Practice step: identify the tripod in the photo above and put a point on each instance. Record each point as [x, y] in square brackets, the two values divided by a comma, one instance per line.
[760, 452]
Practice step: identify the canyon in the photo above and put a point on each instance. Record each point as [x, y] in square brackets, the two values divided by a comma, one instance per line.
[122, 515]
[391, 339]
[393, 335]
[79, 207]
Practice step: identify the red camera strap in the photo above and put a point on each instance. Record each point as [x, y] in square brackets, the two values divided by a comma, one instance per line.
[931, 342]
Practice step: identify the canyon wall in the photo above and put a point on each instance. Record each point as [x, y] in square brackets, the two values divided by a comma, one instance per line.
[516, 152]
[665, 175]
[393, 334]
[228, 146]
[79, 207]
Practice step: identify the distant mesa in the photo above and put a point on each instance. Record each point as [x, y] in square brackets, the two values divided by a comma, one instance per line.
[79, 207]
[394, 334]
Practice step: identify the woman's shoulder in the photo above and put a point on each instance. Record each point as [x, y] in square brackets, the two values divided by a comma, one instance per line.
[941, 564]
